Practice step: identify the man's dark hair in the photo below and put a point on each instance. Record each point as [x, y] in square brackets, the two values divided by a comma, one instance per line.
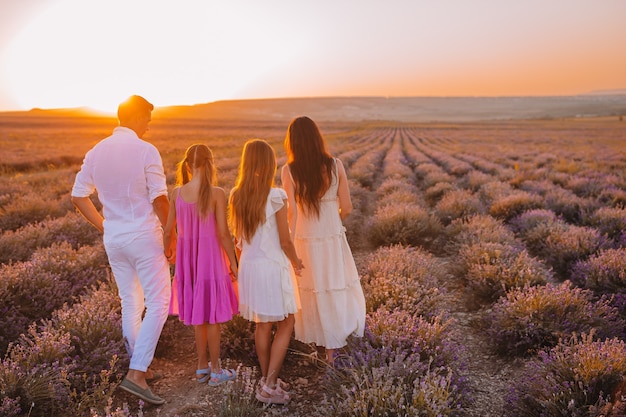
[133, 106]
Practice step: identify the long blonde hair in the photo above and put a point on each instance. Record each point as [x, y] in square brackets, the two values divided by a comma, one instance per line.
[248, 197]
[198, 156]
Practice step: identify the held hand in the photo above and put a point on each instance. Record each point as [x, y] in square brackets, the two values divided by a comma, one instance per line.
[233, 273]
[298, 267]
[171, 256]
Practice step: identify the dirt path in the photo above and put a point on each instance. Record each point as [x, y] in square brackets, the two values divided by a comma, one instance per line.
[489, 375]
[176, 359]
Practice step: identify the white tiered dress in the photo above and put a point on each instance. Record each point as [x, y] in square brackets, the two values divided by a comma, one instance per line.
[333, 304]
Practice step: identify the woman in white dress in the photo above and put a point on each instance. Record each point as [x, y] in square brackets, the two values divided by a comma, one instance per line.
[267, 289]
[333, 305]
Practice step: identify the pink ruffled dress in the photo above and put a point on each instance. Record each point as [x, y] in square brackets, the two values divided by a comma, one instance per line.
[202, 291]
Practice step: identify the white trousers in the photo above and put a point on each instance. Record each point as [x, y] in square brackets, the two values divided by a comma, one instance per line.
[142, 276]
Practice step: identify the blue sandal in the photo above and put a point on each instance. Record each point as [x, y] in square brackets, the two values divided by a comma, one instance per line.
[202, 375]
[224, 375]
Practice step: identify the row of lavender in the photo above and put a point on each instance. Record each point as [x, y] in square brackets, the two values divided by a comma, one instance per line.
[62, 344]
[415, 192]
[518, 250]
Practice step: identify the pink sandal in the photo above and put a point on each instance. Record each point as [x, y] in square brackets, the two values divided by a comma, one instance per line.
[274, 396]
[282, 384]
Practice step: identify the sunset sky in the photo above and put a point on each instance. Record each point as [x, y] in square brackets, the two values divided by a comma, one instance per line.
[95, 53]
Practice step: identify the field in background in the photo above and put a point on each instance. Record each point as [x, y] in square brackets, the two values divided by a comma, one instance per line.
[471, 226]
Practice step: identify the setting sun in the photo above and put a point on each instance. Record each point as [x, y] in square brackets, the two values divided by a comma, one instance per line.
[188, 55]
[71, 53]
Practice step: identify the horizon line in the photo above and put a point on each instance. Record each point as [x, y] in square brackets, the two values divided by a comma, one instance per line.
[604, 92]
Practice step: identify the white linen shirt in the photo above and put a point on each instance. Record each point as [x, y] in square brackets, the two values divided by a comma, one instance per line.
[127, 172]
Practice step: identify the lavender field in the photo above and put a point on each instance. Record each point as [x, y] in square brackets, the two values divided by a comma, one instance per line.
[492, 256]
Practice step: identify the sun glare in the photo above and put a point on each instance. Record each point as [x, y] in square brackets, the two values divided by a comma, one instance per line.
[186, 55]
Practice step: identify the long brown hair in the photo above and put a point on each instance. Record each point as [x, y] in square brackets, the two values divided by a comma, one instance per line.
[198, 156]
[249, 195]
[310, 164]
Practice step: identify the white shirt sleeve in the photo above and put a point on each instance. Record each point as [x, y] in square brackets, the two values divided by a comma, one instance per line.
[155, 176]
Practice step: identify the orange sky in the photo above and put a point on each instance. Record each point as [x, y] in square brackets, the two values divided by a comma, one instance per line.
[71, 53]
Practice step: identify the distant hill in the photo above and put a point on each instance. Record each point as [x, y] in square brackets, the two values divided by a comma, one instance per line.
[608, 92]
[405, 109]
[401, 109]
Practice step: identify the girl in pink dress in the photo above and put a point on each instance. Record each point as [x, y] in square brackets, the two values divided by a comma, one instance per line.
[197, 237]
[267, 292]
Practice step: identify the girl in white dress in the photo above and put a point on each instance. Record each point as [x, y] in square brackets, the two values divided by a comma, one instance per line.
[333, 304]
[267, 289]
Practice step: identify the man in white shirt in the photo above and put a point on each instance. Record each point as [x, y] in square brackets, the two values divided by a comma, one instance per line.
[127, 173]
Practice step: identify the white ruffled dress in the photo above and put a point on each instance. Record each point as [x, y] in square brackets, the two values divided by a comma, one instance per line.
[333, 303]
[267, 288]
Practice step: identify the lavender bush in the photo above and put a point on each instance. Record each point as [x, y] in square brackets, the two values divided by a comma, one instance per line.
[361, 202]
[514, 204]
[393, 186]
[94, 324]
[68, 364]
[583, 377]
[429, 174]
[477, 229]
[407, 224]
[558, 243]
[19, 245]
[491, 269]
[32, 378]
[238, 337]
[364, 169]
[613, 197]
[540, 187]
[405, 278]
[568, 205]
[457, 204]
[32, 290]
[28, 208]
[564, 246]
[434, 193]
[604, 272]
[592, 183]
[388, 373]
[431, 338]
[474, 179]
[493, 191]
[531, 318]
[526, 222]
[610, 221]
